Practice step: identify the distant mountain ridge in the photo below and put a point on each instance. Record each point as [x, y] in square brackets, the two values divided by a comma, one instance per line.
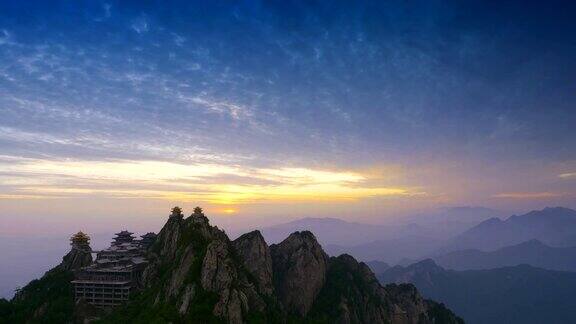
[345, 233]
[458, 215]
[390, 251]
[415, 237]
[329, 230]
[554, 226]
[510, 295]
[533, 252]
[378, 266]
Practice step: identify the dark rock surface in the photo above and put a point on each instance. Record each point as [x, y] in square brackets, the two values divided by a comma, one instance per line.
[255, 256]
[300, 267]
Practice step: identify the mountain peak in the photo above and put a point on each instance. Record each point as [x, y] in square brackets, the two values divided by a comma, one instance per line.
[300, 266]
[426, 265]
[195, 273]
[547, 212]
[533, 242]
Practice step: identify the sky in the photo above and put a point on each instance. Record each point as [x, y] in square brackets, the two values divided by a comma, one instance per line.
[111, 112]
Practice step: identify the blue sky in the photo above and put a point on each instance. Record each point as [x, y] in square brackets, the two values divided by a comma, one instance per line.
[286, 108]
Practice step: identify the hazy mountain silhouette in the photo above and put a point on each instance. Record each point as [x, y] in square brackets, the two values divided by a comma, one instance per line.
[415, 237]
[553, 226]
[439, 224]
[378, 266]
[454, 220]
[519, 294]
[391, 251]
[329, 230]
[531, 252]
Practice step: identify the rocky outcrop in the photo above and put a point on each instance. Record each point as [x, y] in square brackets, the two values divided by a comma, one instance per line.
[242, 278]
[76, 259]
[352, 294]
[201, 267]
[299, 265]
[219, 273]
[255, 256]
[197, 275]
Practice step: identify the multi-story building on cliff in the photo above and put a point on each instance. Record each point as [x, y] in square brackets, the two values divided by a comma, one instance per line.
[115, 273]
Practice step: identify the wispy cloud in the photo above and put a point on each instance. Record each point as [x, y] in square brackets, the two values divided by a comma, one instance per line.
[235, 111]
[293, 112]
[529, 195]
[185, 182]
[5, 37]
[140, 24]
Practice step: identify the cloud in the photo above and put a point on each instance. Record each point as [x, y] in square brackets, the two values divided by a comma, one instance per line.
[179, 40]
[107, 13]
[185, 182]
[140, 24]
[222, 107]
[567, 175]
[529, 195]
[5, 37]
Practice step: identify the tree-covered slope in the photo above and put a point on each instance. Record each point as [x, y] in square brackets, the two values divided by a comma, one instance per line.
[48, 299]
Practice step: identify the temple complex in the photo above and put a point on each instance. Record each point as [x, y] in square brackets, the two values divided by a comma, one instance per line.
[147, 240]
[123, 237]
[115, 273]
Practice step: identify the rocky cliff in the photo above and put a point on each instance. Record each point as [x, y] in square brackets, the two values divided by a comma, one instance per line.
[76, 259]
[197, 274]
[300, 267]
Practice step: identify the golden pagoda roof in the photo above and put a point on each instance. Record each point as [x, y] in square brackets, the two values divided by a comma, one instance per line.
[80, 237]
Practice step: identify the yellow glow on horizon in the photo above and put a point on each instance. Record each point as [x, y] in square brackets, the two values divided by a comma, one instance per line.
[212, 183]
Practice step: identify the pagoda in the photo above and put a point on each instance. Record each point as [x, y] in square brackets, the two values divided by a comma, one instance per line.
[114, 275]
[176, 212]
[198, 216]
[80, 241]
[123, 237]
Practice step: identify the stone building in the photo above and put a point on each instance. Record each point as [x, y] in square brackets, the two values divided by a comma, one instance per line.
[115, 273]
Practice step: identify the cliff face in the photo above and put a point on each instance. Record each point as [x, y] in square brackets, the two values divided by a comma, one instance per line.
[202, 275]
[76, 259]
[197, 274]
[300, 267]
[352, 294]
[256, 258]
[192, 264]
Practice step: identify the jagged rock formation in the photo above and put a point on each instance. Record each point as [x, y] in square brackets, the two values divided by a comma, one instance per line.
[300, 266]
[197, 274]
[80, 253]
[244, 280]
[255, 256]
[197, 264]
[76, 259]
[352, 294]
